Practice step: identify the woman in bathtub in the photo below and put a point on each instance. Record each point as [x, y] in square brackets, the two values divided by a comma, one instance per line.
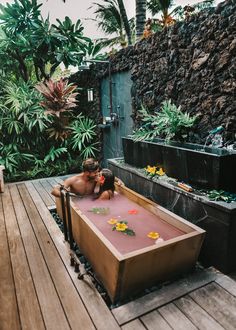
[106, 180]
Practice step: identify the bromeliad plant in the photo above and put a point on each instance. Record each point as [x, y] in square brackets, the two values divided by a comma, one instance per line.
[168, 123]
[59, 96]
[80, 131]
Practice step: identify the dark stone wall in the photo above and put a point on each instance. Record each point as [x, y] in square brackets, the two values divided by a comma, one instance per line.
[192, 63]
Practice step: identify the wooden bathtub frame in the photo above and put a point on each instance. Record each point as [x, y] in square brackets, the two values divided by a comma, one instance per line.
[123, 275]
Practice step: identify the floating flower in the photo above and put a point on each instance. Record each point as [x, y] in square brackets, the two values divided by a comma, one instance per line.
[153, 235]
[121, 226]
[100, 210]
[133, 211]
[112, 221]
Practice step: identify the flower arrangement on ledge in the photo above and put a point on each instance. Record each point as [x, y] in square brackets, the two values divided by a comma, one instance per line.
[154, 171]
[121, 226]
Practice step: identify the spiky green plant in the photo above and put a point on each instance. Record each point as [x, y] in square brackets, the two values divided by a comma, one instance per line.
[83, 133]
[170, 122]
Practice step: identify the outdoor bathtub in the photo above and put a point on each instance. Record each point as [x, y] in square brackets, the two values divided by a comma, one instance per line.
[126, 264]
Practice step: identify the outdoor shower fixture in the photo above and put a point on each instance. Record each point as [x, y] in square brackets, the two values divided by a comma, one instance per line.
[90, 94]
[113, 118]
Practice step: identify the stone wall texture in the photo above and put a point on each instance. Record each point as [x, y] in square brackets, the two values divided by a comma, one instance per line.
[193, 63]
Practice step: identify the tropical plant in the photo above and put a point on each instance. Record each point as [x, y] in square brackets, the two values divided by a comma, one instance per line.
[22, 119]
[220, 195]
[83, 135]
[36, 144]
[170, 122]
[59, 96]
[163, 7]
[125, 20]
[112, 19]
[169, 17]
[32, 42]
[93, 50]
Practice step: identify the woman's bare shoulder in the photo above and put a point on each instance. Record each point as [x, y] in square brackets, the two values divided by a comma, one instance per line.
[106, 195]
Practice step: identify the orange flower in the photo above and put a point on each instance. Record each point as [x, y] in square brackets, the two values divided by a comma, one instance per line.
[112, 221]
[153, 235]
[121, 226]
[133, 211]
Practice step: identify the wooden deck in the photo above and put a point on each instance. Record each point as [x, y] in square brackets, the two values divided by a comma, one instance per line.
[40, 290]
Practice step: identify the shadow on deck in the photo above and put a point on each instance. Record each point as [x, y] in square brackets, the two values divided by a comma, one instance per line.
[40, 290]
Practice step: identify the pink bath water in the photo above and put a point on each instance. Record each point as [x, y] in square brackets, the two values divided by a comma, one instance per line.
[142, 223]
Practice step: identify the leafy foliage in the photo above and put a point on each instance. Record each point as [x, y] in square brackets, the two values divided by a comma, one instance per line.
[34, 144]
[32, 42]
[220, 195]
[170, 122]
[60, 96]
[82, 136]
[110, 19]
[169, 15]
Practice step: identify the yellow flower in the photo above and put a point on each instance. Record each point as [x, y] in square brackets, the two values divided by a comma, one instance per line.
[153, 235]
[112, 221]
[151, 169]
[160, 172]
[121, 226]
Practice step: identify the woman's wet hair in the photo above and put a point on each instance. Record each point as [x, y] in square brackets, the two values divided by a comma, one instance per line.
[90, 165]
[109, 182]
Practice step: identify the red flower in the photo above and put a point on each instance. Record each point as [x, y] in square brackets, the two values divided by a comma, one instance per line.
[133, 211]
[102, 180]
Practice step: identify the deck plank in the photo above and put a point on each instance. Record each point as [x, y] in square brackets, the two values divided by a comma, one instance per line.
[29, 310]
[100, 314]
[48, 200]
[197, 315]
[133, 325]
[167, 293]
[68, 294]
[176, 318]
[154, 320]
[218, 303]
[226, 283]
[9, 317]
[50, 304]
[48, 187]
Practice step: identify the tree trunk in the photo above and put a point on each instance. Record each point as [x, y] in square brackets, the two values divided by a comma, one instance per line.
[22, 66]
[124, 18]
[140, 17]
